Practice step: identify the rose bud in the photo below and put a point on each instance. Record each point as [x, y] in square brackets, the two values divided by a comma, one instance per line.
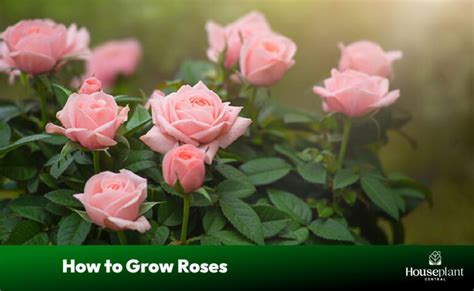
[112, 59]
[90, 119]
[186, 164]
[196, 116]
[367, 57]
[354, 93]
[90, 85]
[113, 200]
[231, 36]
[37, 46]
[264, 60]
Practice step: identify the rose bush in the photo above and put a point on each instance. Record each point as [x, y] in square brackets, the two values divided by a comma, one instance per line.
[209, 158]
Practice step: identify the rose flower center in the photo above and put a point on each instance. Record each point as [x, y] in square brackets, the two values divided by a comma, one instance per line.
[185, 155]
[199, 101]
[271, 47]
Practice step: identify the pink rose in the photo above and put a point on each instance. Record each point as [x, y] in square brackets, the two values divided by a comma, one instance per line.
[186, 164]
[196, 116]
[264, 60]
[113, 200]
[90, 119]
[112, 59]
[37, 46]
[90, 85]
[232, 35]
[367, 57]
[354, 93]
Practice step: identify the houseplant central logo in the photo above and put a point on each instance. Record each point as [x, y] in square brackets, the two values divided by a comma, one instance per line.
[435, 258]
[438, 274]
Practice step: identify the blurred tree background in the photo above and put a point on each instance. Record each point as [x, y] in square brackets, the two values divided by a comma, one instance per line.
[435, 75]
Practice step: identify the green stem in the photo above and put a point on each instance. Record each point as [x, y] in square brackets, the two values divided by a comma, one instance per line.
[345, 139]
[96, 158]
[122, 237]
[184, 227]
[44, 109]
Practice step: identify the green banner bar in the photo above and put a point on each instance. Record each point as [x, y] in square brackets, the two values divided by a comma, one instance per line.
[166, 267]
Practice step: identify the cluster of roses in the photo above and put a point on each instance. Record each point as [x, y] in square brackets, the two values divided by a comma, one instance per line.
[190, 125]
[40, 46]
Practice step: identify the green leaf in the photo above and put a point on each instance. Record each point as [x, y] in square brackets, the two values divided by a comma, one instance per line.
[32, 208]
[73, 230]
[291, 205]
[349, 196]
[124, 99]
[193, 71]
[170, 213]
[242, 217]
[18, 173]
[235, 188]
[210, 241]
[289, 153]
[380, 195]
[273, 220]
[82, 214]
[265, 171]
[60, 166]
[5, 134]
[146, 206]
[313, 172]
[213, 220]
[344, 178]
[231, 173]
[140, 166]
[23, 232]
[203, 192]
[68, 148]
[63, 197]
[39, 239]
[160, 235]
[231, 238]
[139, 117]
[61, 93]
[324, 211]
[331, 229]
[22, 141]
[8, 112]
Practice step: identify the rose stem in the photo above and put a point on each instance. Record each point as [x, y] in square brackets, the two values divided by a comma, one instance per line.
[96, 158]
[184, 227]
[44, 108]
[122, 237]
[345, 139]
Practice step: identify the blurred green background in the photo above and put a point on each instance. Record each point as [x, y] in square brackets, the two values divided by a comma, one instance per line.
[435, 76]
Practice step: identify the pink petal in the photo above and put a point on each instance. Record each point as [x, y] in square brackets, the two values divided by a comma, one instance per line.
[210, 150]
[388, 99]
[158, 141]
[54, 129]
[238, 129]
[141, 224]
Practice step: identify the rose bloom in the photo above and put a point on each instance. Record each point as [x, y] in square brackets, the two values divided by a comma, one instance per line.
[367, 57]
[90, 119]
[264, 60]
[38, 46]
[113, 200]
[231, 36]
[186, 164]
[196, 116]
[354, 93]
[112, 59]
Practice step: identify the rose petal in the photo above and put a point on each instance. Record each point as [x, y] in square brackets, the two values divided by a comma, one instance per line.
[158, 141]
[141, 224]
